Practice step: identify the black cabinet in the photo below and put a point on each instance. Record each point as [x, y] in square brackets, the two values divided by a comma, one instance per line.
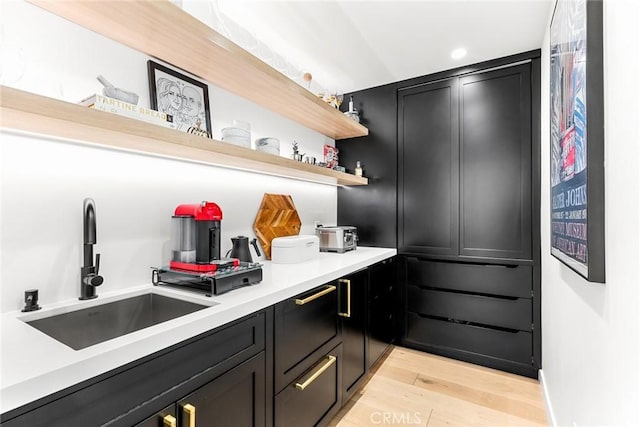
[353, 316]
[308, 356]
[130, 394]
[233, 399]
[314, 397]
[428, 168]
[481, 313]
[464, 181]
[381, 314]
[492, 279]
[306, 327]
[495, 163]
[466, 219]
[468, 200]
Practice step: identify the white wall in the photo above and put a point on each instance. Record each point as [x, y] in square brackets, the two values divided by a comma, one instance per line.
[44, 182]
[591, 332]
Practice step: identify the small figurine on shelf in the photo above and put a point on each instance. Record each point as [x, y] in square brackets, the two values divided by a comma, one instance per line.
[197, 131]
[116, 93]
[296, 154]
[358, 171]
[352, 113]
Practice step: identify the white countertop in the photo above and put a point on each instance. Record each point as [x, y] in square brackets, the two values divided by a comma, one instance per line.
[34, 365]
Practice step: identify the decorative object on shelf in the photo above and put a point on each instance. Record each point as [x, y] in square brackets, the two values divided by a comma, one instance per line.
[121, 108]
[358, 170]
[577, 113]
[334, 100]
[310, 160]
[173, 93]
[307, 77]
[268, 145]
[353, 112]
[197, 131]
[277, 217]
[296, 154]
[330, 156]
[339, 168]
[116, 93]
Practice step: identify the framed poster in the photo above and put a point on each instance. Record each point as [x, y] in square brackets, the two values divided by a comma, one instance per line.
[577, 137]
[184, 98]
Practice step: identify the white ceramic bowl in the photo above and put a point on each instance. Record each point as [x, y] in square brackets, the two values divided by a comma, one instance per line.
[235, 131]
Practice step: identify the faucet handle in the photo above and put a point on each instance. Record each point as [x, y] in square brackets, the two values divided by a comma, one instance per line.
[97, 263]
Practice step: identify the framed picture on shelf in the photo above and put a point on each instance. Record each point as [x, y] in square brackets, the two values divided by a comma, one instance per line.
[577, 137]
[182, 97]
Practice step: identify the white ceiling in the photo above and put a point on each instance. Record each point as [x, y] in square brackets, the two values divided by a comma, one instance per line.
[352, 45]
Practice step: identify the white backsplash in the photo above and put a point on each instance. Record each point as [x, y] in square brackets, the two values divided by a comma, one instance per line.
[44, 181]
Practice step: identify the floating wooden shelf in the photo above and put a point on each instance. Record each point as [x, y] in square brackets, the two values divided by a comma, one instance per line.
[37, 114]
[160, 29]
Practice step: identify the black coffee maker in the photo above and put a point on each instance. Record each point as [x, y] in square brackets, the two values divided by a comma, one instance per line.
[240, 248]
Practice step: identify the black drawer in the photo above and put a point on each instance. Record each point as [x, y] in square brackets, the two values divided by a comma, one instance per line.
[515, 346]
[512, 280]
[147, 385]
[512, 313]
[304, 324]
[313, 398]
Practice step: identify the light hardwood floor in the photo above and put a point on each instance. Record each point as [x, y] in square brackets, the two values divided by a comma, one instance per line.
[412, 388]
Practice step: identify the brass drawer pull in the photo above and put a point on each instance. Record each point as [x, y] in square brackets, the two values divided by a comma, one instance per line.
[348, 283]
[190, 412]
[312, 378]
[325, 291]
[169, 421]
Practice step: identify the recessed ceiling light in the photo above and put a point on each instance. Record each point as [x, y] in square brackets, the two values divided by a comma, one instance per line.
[458, 53]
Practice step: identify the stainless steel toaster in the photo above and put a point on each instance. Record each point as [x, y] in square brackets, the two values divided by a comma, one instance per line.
[337, 239]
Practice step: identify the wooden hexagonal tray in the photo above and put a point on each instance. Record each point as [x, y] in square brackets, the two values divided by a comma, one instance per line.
[277, 217]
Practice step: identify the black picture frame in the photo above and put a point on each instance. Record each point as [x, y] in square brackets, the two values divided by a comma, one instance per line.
[577, 137]
[182, 97]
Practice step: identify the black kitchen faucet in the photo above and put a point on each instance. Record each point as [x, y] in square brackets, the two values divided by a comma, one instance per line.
[89, 277]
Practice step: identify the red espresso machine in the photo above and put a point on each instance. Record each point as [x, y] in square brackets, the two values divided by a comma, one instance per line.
[195, 254]
[195, 237]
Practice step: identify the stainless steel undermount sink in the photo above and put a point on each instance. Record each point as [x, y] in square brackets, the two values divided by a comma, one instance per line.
[86, 327]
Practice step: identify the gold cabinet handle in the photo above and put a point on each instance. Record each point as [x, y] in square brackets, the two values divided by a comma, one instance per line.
[331, 360]
[328, 289]
[190, 412]
[348, 283]
[169, 421]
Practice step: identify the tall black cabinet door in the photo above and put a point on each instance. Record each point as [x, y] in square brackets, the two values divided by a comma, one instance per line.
[353, 312]
[382, 294]
[428, 168]
[495, 163]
